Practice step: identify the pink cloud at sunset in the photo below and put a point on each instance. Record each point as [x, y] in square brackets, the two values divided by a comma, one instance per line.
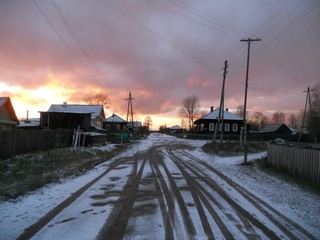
[161, 51]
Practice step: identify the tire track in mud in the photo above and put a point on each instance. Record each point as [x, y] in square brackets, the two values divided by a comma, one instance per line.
[170, 196]
[37, 226]
[116, 223]
[277, 218]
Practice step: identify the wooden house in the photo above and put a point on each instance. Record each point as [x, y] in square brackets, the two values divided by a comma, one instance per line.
[8, 117]
[231, 122]
[176, 129]
[276, 129]
[115, 123]
[72, 116]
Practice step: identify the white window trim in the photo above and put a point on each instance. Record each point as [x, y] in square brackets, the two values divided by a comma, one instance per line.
[234, 127]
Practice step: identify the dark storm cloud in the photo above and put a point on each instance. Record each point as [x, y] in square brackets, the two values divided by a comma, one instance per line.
[163, 51]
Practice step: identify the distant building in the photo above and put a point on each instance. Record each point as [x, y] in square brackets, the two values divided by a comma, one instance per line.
[276, 129]
[231, 122]
[72, 116]
[176, 129]
[114, 123]
[8, 117]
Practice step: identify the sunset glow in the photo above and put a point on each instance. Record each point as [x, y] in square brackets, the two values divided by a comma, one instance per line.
[160, 52]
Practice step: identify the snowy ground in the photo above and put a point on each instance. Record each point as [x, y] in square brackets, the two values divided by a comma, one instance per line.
[302, 206]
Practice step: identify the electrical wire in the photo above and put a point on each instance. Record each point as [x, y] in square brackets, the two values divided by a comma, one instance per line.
[66, 44]
[78, 42]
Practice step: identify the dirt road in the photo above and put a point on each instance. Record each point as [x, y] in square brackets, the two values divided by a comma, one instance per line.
[164, 192]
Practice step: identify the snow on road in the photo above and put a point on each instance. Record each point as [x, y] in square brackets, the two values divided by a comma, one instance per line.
[300, 205]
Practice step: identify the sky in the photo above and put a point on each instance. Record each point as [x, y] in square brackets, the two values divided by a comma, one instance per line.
[56, 51]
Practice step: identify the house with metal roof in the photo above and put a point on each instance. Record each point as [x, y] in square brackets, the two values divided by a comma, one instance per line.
[72, 116]
[8, 117]
[231, 122]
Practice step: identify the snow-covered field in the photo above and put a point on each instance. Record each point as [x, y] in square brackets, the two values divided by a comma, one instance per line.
[300, 205]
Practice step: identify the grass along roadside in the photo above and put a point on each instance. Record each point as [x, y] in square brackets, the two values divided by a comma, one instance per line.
[24, 173]
[233, 148]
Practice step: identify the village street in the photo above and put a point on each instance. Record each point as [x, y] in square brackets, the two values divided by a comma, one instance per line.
[168, 188]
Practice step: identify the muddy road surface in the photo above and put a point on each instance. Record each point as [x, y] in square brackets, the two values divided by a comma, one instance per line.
[160, 190]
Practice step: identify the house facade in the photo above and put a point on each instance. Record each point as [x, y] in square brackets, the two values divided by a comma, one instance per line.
[8, 117]
[72, 116]
[115, 123]
[232, 123]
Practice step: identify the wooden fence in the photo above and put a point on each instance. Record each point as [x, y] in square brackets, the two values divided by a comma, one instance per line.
[24, 141]
[301, 162]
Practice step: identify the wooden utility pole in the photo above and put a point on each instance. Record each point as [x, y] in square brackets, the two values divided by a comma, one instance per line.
[221, 109]
[130, 110]
[244, 125]
[308, 97]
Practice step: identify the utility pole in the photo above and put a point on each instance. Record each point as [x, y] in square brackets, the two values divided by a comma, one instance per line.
[308, 97]
[130, 110]
[221, 109]
[244, 125]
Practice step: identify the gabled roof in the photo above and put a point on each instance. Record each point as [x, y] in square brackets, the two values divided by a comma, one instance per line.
[176, 127]
[95, 110]
[114, 118]
[273, 127]
[227, 115]
[6, 102]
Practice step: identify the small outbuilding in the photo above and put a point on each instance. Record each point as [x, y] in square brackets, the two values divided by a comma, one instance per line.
[8, 117]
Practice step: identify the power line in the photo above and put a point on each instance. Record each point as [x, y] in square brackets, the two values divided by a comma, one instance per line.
[65, 43]
[160, 37]
[78, 42]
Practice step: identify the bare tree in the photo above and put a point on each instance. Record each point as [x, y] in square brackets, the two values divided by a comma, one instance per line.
[240, 111]
[258, 120]
[278, 117]
[190, 109]
[147, 122]
[293, 121]
[98, 99]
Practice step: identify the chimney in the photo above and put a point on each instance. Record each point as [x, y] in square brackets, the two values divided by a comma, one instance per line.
[211, 109]
[65, 104]
[227, 109]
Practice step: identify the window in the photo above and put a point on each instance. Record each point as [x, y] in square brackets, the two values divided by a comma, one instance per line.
[227, 127]
[235, 127]
[201, 127]
[211, 127]
[220, 127]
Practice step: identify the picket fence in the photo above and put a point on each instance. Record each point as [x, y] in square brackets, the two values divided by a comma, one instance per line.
[25, 141]
[300, 162]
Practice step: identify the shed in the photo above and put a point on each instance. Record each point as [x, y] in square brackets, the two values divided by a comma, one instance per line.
[8, 117]
[231, 122]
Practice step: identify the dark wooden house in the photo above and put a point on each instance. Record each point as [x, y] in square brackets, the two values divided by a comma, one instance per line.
[276, 129]
[8, 117]
[72, 116]
[115, 123]
[231, 122]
